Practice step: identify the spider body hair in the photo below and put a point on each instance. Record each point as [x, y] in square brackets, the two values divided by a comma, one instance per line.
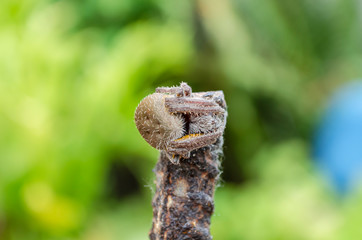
[205, 123]
[156, 124]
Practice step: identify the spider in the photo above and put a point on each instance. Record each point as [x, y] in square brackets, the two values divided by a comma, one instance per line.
[177, 121]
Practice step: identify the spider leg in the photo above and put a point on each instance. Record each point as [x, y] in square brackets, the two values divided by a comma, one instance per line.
[183, 146]
[183, 90]
[169, 90]
[194, 105]
[207, 118]
[216, 96]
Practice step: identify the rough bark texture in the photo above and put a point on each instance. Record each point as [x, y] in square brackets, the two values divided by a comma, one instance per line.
[183, 203]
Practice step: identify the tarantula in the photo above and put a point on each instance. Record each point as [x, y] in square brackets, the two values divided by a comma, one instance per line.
[177, 121]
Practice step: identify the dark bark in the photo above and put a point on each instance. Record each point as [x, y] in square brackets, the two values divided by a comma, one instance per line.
[183, 203]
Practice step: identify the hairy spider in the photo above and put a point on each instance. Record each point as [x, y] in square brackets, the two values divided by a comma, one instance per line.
[177, 121]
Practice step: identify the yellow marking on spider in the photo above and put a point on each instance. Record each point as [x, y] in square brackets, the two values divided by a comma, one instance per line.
[189, 136]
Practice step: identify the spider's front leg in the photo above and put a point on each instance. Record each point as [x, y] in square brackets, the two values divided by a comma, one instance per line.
[183, 90]
[183, 146]
[198, 104]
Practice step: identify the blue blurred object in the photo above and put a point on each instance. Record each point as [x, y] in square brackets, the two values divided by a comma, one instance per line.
[338, 142]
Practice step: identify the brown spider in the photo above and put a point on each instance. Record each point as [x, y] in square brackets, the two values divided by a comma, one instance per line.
[177, 121]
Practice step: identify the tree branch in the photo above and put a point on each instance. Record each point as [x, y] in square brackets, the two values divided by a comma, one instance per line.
[183, 203]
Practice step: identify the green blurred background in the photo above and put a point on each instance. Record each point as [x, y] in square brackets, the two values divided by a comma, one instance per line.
[72, 164]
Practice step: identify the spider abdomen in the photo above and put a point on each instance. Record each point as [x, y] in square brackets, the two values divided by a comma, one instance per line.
[156, 124]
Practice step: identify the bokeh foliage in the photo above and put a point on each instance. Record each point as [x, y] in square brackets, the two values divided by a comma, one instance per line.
[72, 164]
